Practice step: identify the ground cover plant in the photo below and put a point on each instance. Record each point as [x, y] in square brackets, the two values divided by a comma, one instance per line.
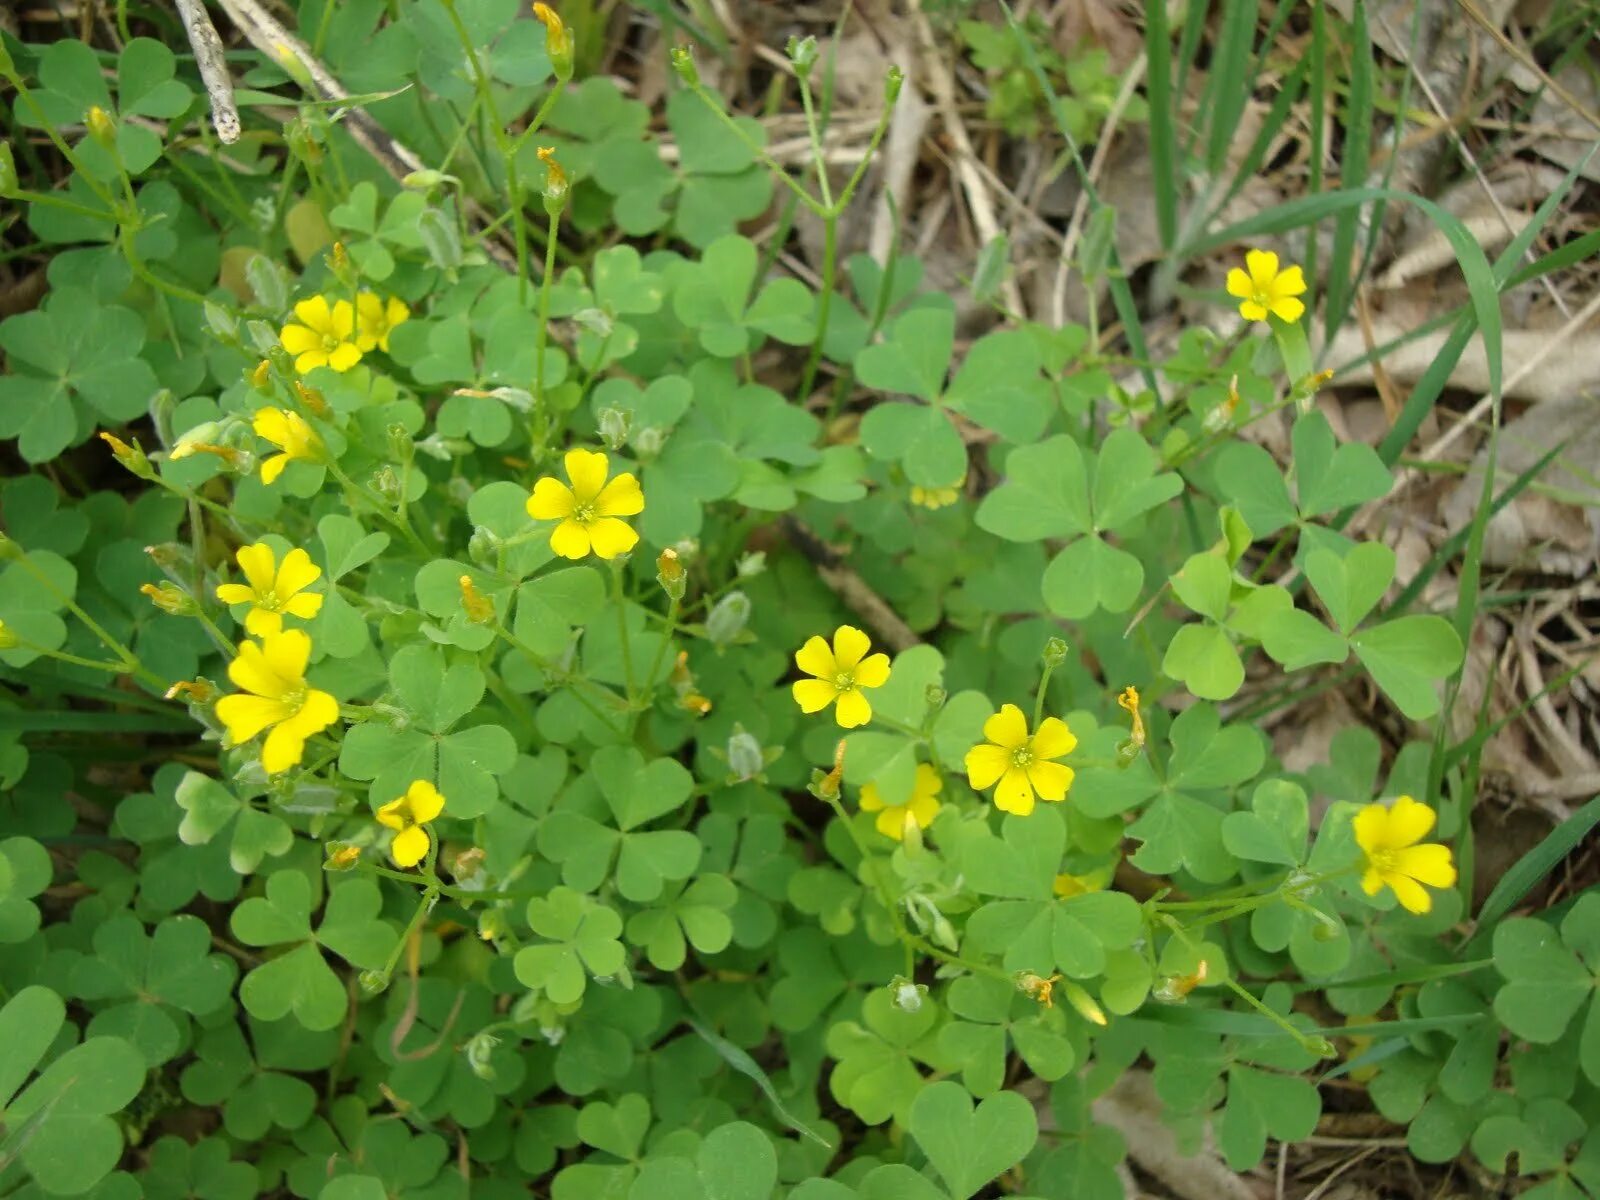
[557, 638]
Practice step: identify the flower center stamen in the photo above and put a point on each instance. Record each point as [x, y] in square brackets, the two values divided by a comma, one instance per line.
[295, 698]
[1022, 757]
[583, 514]
[844, 681]
[1382, 860]
[330, 342]
[267, 600]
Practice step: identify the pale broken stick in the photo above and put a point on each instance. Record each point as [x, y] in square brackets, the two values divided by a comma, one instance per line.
[208, 56]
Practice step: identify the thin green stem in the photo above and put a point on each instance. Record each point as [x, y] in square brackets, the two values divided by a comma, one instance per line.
[130, 660]
[541, 411]
[622, 633]
[759, 151]
[830, 267]
[814, 132]
[648, 694]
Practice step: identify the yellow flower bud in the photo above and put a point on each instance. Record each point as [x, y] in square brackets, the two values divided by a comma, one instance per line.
[169, 598]
[196, 691]
[478, 607]
[316, 404]
[101, 127]
[1083, 1003]
[131, 457]
[557, 41]
[670, 573]
[342, 857]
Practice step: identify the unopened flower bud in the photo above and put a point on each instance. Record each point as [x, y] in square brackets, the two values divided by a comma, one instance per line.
[101, 127]
[195, 691]
[131, 457]
[170, 598]
[426, 180]
[750, 565]
[558, 43]
[683, 64]
[261, 377]
[647, 442]
[892, 83]
[906, 995]
[341, 857]
[482, 546]
[1082, 1002]
[826, 786]
[727, 619]
[934, 695]
[492, 924]
[614, 428]
[745, 759]
[468, 865]
[316, 403]
[803, 54]
[373, 983]
[340, 266]
[556, 183]
[478, 607]
[479, 1050]
[670, 574]
[386, 483]
[1055, 652]
[401, 444]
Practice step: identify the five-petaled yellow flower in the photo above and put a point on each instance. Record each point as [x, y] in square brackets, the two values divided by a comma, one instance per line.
[273, 588]
[291, 433]
[841, 672]
[1021, 764]
[376, 319]
[1263, 289]
[324, 337]
[407, 816]
[590, 509]
[275, 697]
[1388, 836]
[919, 810]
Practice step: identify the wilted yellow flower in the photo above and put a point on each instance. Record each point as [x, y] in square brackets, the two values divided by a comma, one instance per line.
[557, 41]
[590, 509]
[1388, 836]
[273, 589]
[555, 178]
[275, 697]
[1128, 701]
[342, 858]
[196, 691]
[919, 810]
[376, 319]
[1037, 987]
[323, 337]
[406, 816]
[1263, 289]
[169, 598]
[478, 607]
[840, 673]
[1021, 765]
[291, 433]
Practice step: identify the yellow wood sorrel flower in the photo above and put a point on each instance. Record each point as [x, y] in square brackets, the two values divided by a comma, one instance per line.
[376, 319]
[273, 588]
[589, 509]
[406, 816]
[841, 672]
[1388, 836]
[1263, 289]
[291, 433]
[919, 810]
[1021, 765]
[275, 697]
[324, 336]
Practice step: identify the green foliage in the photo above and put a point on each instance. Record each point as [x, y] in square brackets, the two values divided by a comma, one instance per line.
[667, 934]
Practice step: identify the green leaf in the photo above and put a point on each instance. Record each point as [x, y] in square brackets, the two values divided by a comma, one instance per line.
[970, 1147]
[1276, 828]
[1328, 476]
[1203, 657]
[617, 1129]
[29, 1023]
[1406, 657]
[74, 1143]
[1351, 587]
[1262, 1104]
[1045, 494]
[1205, 585]
[583, 937]
[913, 358]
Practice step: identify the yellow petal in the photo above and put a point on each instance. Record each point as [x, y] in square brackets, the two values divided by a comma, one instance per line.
[343, 320]
[1239, 284]
[587, 471]
[282, 750]
[870, 800]
[850, 646]
[287, 654]
[396, 312]
[929, 783]
[985, 764]
[272, 424]
[813, 695]
[1429, 864]
[314, 314]
[1288, 309]
[305, 605]
[425, 800]
[570, 540]
[816, 658]
[318, 712]
[923, 809]
[1263, 267]
[891, 822]
[1014, 794]
[410, 846]
[311, 360]
[611, 537]
[853, 710]
[1409, 823]
[1412, 895]
[259, 565]
[1053, 739]
[347, 355]
[1050, 780]
[245, 716]
[235, 593]
[1291, 283]
[552, 500]
[1370, 826]
[395, 814]
[622, 497]
[295, 573]
[1251, 311]
[872, 671]
[260, 622]
[1008, 728]
[1371, 881]
[272, 467]
[297, 339]
[251, 672]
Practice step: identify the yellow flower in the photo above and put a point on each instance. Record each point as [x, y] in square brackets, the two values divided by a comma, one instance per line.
[407, 816]
[840, 674]
[291, 433]
[1021, 764]
[935, 498]
[589, 509]
[1265, 289]
[376, 320]
[1389, 836]
[1068, 886]
[274, 696]
[273, 588]
[919, 810]
[324, 337]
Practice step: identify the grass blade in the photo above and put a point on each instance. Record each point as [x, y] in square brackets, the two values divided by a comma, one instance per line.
[1535, 865]
[1163, 156]
[1356, 155]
